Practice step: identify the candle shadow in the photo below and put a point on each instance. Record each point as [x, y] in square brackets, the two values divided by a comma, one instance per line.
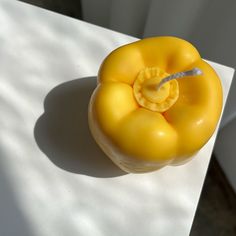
[62, 131]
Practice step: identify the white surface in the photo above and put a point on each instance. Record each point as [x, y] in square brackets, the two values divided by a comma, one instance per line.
[54, 180]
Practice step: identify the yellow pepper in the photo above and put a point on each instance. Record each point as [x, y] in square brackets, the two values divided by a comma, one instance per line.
[142, 128]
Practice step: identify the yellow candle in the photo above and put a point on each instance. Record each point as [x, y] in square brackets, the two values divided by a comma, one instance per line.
[144, 117]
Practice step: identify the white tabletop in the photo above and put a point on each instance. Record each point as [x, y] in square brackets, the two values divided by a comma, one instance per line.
[54, 180]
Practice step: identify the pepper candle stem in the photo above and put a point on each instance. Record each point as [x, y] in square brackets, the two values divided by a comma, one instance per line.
[195, 71]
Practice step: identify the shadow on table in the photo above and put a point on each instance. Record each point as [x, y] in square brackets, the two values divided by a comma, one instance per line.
[62, 132]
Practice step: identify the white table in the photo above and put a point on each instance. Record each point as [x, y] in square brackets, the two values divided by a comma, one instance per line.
[54, 180]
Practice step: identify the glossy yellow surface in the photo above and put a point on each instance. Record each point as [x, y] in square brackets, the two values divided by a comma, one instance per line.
[137, 129]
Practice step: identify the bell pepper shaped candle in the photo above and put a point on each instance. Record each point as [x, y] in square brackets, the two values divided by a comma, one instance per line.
[156, 104]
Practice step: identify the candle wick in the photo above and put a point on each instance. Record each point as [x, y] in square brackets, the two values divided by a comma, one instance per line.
[195, 71]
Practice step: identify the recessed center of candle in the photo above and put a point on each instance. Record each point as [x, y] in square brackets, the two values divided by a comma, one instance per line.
[151, 93]
[147, 93]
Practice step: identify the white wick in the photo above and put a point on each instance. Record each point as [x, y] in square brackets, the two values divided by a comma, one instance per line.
[195, 71]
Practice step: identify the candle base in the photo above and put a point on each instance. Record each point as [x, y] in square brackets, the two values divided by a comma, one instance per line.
[126, 163]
